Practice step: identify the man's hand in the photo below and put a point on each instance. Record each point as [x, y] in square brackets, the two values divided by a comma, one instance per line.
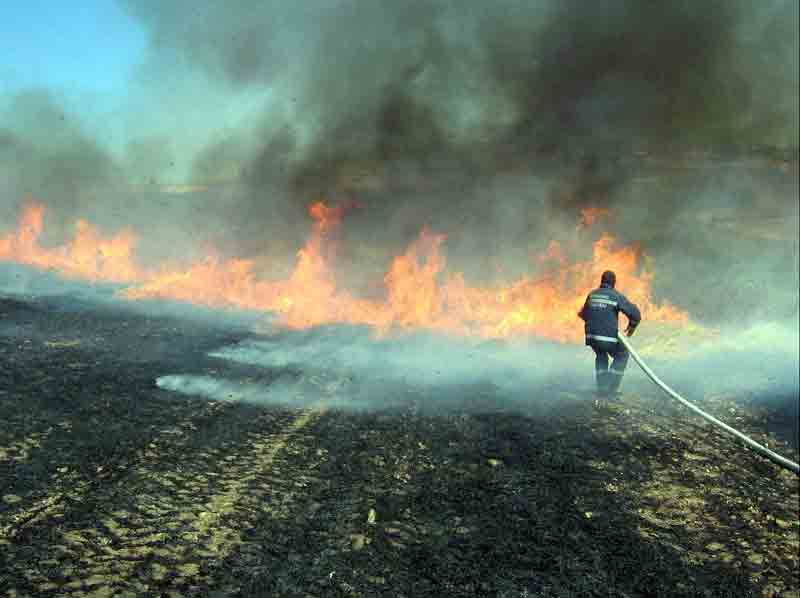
[629, 331]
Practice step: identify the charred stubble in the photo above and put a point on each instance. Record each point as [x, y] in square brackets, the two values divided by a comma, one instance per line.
[194, 495]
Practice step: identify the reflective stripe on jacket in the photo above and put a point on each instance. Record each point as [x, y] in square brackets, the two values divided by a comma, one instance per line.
[601, 314]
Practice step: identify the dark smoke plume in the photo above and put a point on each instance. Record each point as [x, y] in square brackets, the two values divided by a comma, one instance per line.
[427, 82]
[431, 112]
[492, 122]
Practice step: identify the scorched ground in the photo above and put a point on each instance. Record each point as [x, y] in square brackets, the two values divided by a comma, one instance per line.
[113, 486]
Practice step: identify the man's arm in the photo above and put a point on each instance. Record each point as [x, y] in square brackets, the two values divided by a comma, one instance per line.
[582, 312]
[631, 311]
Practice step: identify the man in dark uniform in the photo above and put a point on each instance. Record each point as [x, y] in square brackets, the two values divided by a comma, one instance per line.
[600, 312]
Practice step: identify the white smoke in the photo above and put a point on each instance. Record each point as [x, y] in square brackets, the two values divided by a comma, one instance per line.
[350, 369]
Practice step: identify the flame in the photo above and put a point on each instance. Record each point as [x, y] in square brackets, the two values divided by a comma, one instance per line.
[420, 293]
[89, 255]
[414, 296]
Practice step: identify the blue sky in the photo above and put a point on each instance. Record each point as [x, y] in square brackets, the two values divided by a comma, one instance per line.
[87, 55]
[74, 47]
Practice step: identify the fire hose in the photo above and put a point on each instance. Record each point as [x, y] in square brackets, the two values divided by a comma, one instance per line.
[771, 455]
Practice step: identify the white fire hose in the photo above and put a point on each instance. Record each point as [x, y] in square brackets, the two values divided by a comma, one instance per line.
[771, 455]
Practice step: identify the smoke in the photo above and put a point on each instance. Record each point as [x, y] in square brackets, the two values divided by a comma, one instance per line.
[343, 368]
[45, 152]
[424, 85]
[483, 122]
[491, 122]
[472, 119]
[347, 369]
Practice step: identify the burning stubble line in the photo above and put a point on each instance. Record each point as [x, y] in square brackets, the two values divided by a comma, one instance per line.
[205, 535]
[420, 293]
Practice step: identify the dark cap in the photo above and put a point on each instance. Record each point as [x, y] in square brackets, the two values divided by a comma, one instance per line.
[608, 278]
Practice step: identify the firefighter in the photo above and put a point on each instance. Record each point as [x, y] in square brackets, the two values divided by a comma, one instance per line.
[600, 313]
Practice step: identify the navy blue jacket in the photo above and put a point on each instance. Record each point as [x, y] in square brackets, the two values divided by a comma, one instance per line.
[601, 311]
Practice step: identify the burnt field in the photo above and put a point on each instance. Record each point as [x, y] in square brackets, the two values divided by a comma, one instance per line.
[111, 485]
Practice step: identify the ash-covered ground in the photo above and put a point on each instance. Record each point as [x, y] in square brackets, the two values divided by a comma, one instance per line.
[305, 477]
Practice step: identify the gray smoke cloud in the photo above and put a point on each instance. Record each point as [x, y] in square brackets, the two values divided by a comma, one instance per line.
[430, 84]
[470, 118]
[44, 152]
[493, 123]
[484, 122]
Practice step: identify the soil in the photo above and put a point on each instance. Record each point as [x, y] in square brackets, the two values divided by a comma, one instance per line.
[111, 486]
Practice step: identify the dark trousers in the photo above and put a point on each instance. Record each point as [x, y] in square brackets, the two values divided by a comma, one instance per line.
[609, 379]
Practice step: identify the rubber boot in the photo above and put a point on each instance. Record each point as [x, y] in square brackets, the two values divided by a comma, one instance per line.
[614, 381]
[602, 383]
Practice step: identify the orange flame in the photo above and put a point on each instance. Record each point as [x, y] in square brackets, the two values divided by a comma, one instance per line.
[88, 256]
[419, 292]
